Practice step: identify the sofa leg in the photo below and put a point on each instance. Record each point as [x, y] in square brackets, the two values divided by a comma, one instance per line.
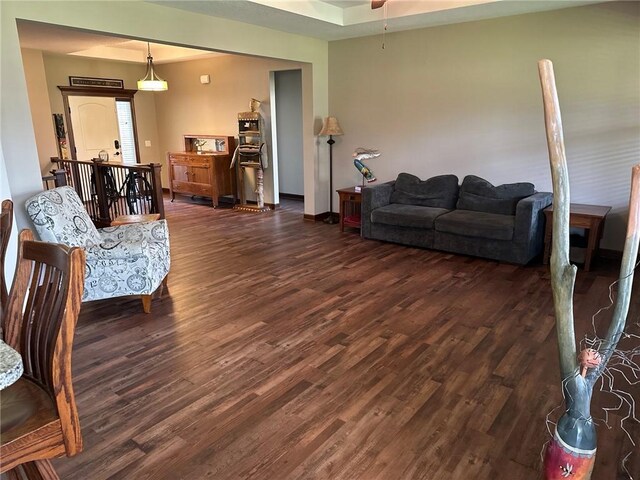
[146, 303]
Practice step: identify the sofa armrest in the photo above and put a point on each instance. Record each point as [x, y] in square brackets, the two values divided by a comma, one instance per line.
[529, 223]
[374, 197]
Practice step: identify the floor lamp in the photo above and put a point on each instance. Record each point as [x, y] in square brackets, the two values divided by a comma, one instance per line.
[330, 127]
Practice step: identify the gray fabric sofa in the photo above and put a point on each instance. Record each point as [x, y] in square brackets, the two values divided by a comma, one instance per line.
[502, 223]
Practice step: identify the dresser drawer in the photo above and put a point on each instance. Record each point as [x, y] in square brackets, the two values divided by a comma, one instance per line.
[182, 159]
[201, 189]
[190, 160]
[181, 187]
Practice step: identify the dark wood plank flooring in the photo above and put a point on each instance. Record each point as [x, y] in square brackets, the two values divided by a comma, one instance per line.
[287, 350]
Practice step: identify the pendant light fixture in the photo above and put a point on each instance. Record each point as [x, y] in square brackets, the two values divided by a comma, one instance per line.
[151, 81]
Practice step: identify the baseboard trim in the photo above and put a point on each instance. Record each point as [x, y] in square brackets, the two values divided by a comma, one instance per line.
[320, 217]
[292, 196]
[610, 254]
[272, 206]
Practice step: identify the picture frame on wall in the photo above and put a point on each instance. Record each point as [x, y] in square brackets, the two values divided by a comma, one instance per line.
[61, 136]
[96, 82]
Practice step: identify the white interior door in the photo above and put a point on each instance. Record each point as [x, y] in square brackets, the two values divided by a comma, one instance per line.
[95, 127]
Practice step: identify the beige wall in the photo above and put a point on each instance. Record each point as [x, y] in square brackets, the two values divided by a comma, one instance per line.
[465, 99]
[189, 107]
[58, 68]
[162, 24]
[43, 127]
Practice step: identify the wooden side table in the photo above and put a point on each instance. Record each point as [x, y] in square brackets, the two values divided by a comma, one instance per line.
[350, 201]
[589, 217]
[124, 219]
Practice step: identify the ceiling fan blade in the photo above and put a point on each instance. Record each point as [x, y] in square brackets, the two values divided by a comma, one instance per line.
[377, 4]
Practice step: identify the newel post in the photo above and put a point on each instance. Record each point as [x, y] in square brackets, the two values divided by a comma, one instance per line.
[101, 192]
[156, 184]
[59, 177]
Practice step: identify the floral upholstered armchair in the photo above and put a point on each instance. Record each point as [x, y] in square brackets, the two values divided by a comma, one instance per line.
[125, 260]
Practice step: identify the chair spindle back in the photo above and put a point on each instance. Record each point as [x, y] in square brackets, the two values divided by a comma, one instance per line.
[41, 316]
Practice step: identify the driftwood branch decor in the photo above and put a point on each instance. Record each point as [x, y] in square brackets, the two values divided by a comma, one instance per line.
[571, 452]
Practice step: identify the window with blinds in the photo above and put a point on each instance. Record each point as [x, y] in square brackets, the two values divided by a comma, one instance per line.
[125, 126]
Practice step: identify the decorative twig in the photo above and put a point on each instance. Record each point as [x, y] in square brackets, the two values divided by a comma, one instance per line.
[563, 274]
[629, 258]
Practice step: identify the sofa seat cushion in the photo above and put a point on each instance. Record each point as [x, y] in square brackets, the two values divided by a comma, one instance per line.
[481, 196]
[477, 224]
[438, 192]
[414, 216]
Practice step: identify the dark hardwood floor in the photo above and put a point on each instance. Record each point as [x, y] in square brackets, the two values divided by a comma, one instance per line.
[287, 350]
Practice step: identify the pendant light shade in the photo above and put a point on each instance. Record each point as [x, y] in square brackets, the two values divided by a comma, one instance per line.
[151, 81]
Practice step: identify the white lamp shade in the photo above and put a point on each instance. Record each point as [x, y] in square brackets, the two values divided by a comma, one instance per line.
[153, 85]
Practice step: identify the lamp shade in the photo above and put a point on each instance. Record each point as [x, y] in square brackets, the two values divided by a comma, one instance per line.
[151, 81]
[330, 126]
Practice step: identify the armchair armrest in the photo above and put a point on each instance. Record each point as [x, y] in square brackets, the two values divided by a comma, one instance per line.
[131, 259]
[148, 239]
[529, 223]
[117, 250]
[372, 198]
[155, 231]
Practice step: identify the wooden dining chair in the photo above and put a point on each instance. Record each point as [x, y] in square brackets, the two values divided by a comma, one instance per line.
[6, 223]
[38, 415]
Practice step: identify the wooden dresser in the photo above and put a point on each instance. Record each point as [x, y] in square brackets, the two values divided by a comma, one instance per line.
[203, 169]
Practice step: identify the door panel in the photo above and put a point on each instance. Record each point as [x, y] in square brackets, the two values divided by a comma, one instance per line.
[95, 126]
[199, 174]
[180, 172]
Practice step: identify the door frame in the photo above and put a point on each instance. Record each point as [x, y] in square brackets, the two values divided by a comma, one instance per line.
[273, 95]
[115, 93]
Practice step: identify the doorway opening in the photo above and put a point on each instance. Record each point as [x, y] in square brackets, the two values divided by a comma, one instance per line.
[287, 133]
[101, 123]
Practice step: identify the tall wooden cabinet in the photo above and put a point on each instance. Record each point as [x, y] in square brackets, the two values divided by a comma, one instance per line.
[203, 169]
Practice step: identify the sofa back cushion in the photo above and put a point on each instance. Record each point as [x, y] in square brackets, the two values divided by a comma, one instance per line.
[438, 192]
[479, 195]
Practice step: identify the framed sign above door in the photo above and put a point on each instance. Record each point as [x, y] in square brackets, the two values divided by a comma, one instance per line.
[96, 82]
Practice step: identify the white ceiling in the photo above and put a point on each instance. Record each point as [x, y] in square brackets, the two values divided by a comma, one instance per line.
[67, 41]
[336, 20]
[324, 19]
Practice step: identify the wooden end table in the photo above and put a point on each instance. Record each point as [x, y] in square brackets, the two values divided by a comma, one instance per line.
[589, 217]
[350, 201]
[125, 219]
